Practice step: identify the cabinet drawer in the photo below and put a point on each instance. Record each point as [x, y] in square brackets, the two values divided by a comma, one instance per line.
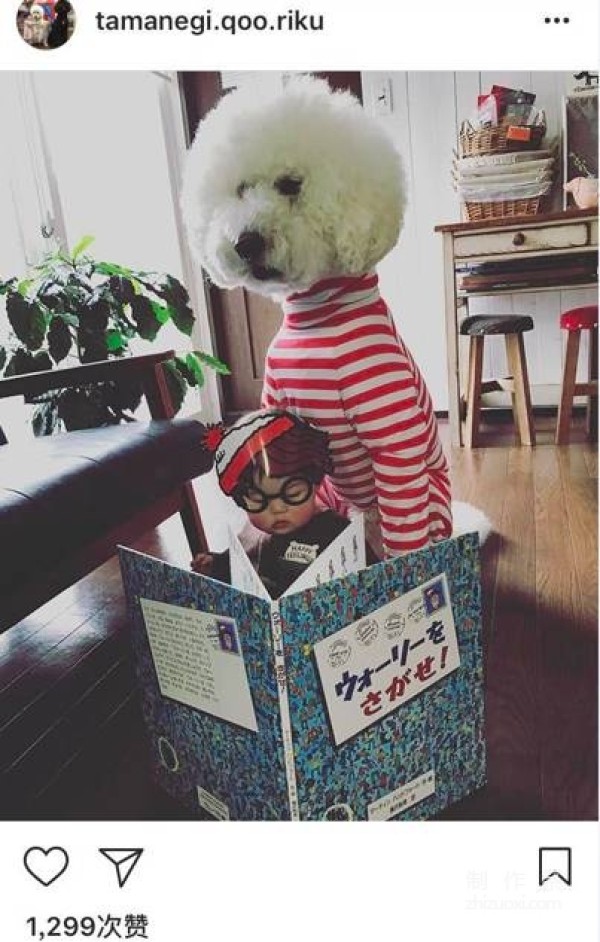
[524, 239]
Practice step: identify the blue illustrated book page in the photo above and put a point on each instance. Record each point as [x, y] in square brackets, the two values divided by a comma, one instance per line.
[211, 690]
[384, 676]
[357, 697]
[204, 660]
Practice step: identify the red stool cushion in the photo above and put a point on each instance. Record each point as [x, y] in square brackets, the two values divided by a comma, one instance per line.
[580, 318]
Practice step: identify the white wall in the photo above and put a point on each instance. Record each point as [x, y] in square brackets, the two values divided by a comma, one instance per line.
[427, 111]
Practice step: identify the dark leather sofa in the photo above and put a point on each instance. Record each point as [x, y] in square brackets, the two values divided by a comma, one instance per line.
[68, 500]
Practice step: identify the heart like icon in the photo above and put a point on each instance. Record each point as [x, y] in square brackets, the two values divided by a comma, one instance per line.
[46, 866]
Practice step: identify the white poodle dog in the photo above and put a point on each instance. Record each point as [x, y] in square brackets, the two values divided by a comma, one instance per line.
[287, 189]
[298, 195]
[35, 26]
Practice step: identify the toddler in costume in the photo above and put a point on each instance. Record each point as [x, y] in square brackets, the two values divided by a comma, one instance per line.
[271, 462]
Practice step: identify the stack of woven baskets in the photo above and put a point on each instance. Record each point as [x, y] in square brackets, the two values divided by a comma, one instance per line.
[503, 171]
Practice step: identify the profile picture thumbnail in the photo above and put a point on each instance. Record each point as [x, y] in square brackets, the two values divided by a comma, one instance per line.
[46, 25]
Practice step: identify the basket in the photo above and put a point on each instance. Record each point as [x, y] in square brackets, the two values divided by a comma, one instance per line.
[499, 139]
[508, 162]
[503, 209]
[474, 168]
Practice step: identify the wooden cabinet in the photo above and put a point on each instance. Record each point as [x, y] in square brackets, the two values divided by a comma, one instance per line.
[552, 235]
[526, 239]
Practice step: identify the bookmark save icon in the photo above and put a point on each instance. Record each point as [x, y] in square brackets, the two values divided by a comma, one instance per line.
[124, 860]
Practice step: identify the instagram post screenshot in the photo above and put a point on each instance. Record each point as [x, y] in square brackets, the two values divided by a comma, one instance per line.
[298, 471]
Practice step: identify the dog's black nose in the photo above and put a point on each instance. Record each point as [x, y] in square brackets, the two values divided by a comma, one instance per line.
[250, 246]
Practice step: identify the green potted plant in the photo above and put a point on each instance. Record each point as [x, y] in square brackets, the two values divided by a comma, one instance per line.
[75, 309]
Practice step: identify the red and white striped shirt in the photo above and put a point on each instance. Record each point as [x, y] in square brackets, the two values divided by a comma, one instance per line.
[338, 361]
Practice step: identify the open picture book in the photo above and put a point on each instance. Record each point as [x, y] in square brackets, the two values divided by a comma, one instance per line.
[357, 695]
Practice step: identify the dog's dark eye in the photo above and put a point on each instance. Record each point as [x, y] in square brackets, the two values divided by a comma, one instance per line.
[241, 188]
[288, 185]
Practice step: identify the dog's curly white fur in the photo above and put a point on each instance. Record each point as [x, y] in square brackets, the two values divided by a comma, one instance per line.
[309, 171]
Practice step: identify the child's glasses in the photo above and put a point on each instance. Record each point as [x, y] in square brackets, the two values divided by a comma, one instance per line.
[293, 492]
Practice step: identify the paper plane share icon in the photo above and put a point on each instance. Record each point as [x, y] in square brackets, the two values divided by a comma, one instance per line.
[124, 860]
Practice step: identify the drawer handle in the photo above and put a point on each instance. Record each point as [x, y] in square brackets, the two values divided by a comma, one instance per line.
[518, 238]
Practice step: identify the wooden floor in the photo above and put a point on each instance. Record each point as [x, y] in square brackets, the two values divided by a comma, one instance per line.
[540, 590]
[71, 736]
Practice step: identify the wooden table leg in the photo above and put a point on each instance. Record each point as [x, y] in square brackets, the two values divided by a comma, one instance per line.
[567, 390]
[517, 364]
[160, 404]
[452, 361]
[591, 415]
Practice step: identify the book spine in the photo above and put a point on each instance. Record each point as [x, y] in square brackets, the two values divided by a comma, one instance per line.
[284, 710]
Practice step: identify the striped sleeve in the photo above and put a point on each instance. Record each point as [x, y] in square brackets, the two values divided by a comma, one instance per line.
[386, 402]
[270, 397]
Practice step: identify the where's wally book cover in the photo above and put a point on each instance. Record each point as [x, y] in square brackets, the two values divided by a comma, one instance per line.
[357, 695]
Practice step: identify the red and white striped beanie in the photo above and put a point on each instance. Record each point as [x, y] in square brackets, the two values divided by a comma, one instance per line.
[241, 443]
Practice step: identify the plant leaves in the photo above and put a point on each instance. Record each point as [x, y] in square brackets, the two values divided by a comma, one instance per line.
[183, 318]
[145, 319]
[51, 259]
[6, 286]
[161, 313]
[59, 339]
[24, 286]
[178, 303]
[115, 341]
[174, 292]
[191, 367]
[124, 395]
[108, 268]
[22, 361]
[188, 374]
[122, 288]
[42, 362]
[92, 346]
[52, 295]
[45, 417]
[91, 335]
[217, 365]
[71, 319]
[176, 384]
[95, 316]
[81, 246]
[105, 305]
[56, 277]
[195, 368]
[83, 408]
[27, 320]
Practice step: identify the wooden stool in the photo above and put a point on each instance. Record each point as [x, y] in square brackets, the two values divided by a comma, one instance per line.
[574, 321]
[513, 328]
